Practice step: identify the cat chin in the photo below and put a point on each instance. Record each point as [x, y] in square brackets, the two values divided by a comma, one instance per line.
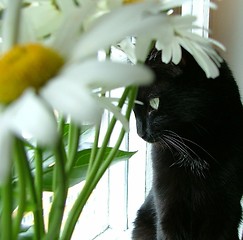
[150, 139]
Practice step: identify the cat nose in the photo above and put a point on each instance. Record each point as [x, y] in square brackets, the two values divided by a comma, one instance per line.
[140, 129]
[141, 133]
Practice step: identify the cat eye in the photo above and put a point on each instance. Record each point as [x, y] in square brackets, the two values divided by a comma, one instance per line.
[154, 103]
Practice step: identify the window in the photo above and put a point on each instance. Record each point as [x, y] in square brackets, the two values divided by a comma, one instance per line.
[199, 8]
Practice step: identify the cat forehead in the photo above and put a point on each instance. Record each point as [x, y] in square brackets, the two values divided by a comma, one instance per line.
[145, 93]
[170, 69]
[166, 71]
[160, 83]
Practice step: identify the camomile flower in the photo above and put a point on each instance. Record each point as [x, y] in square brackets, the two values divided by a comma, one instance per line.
[39, 26]
[37, 79]
[180, 35]
[170, 34]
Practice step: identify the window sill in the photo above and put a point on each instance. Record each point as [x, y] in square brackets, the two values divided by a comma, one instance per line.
[114, 235]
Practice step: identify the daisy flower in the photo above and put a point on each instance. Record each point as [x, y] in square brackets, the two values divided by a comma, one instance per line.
[180, 35]
[170, 34]
[64, 75]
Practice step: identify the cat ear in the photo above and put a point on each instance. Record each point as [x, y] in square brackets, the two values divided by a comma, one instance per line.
[156, 56]
[153, 54]
[187, 59]
[184, 58]
[155, 59]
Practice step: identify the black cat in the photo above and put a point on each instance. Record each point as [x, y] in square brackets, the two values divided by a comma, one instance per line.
[195, 126]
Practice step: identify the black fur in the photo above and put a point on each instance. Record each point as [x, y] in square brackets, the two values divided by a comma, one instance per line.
[197, 153]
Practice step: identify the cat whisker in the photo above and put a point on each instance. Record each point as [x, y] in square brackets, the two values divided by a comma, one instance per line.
[177, 146]
[163, 142]
[201, 148]
[184, 155]
[177, 140]
[196, 164]
[182, 144]
[192, 142]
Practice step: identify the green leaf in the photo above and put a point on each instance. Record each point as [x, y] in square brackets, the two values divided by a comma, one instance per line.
[0, 204]
[27, 233]
[79, 171]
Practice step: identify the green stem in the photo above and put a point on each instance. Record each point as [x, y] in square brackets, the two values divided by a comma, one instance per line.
[94, 147]
[95, 174]
[6, 218]
[39, 188]
[61, 152]
[105, 142]
[61, 124]
[112, 154]
[60, 194]
[73, 142]
[95, 144]
[32, 191]
[21, 187]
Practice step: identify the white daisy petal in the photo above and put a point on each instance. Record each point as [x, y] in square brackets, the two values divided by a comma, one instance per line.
[157, 27]
[159, 45]
[142, 48]
[116, 75]
[66, 5]
[106, 103]
[11, 24]
[201, 57]
[209, 67]
[6, 141]
[176, 51]
[184, 43]
[108, 75]
[77, 83]
[217, 43]
[214, 56]
[42, 26]
[128, 48]
[183, 22]
[69, 33]
[111, 28]
[32, 119]
[166, 54]
[72, 99]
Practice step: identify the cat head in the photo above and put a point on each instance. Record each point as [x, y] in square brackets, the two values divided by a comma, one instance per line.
[181, 97]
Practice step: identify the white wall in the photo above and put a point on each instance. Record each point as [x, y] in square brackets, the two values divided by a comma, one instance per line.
[226, 24]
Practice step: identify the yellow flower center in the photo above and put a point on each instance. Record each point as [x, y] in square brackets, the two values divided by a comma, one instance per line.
[131, 1]
[25, 66]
